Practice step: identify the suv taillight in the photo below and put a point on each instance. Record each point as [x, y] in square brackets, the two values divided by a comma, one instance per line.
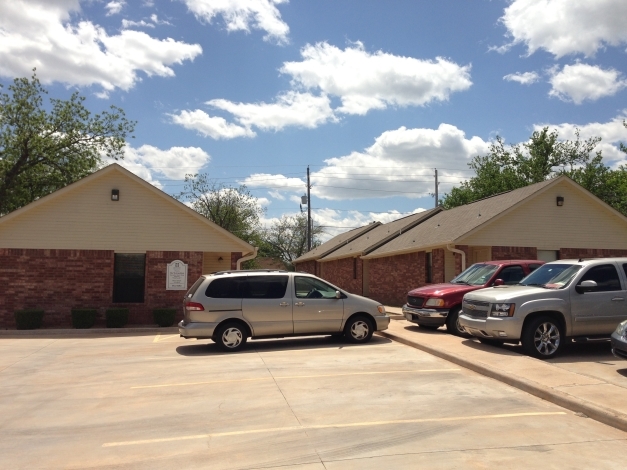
[193, 307]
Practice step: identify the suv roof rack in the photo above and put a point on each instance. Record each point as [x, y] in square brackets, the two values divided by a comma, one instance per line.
[232, 271]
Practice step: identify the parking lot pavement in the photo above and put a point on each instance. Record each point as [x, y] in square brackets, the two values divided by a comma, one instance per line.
[161, 402]
[585, 377]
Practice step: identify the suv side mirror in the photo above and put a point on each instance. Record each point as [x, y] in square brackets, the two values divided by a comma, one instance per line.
[498, 282]
[585, 286]
[338, 294]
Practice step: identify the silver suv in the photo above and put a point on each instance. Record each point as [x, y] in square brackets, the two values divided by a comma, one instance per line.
[566, 299]
[230, 306]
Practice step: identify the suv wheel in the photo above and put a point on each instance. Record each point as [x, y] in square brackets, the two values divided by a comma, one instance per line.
[231, 336]
[358, 330]
[452, 323]
[542, 338]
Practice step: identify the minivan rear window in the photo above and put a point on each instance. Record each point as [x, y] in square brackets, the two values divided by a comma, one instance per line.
[195, 287]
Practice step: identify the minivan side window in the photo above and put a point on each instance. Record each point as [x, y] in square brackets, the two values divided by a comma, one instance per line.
[310, 288]
[225, 288]
[605, 276]
[264, 287]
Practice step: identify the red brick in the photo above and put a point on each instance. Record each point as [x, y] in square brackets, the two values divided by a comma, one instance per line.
[514, 252]
[340, 272]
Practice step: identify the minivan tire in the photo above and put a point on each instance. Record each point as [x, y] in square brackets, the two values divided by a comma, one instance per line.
[231, 336]
[542, 337]
[358, 329]
[452, 323]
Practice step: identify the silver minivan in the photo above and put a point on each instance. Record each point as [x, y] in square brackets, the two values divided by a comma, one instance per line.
[231, 306]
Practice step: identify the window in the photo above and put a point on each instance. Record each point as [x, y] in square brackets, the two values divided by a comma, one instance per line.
[605, 276]
[311, 288]
[511, 275]
[625, 269]
[548, 255]
[476, 275]
[552, 276]
[195, 287]
[129, 278]
[264, 287]
[428, 267]
[533, 267]
[225, 288]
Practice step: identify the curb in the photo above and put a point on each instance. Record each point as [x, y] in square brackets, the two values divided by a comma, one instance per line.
[90, 331]
[612, 418]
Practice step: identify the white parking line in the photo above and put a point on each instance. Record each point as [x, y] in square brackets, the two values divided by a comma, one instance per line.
[330, 426]
[296, 377]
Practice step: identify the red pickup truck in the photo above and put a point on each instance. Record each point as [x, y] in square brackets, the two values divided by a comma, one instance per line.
[440, 304]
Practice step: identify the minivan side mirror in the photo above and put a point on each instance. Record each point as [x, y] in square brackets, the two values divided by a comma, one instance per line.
[338, 294]
[498, 282]
[585, 286]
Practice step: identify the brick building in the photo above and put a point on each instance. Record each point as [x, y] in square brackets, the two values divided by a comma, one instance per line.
[554, 219]
[108, 240]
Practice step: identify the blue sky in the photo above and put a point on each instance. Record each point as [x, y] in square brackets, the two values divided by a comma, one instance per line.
[372, 95]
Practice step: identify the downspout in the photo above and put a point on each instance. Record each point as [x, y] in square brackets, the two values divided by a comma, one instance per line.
[463, 253]
[246, 258]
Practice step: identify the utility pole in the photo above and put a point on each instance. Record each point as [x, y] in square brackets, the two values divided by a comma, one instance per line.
[436, 187]
[308, 211]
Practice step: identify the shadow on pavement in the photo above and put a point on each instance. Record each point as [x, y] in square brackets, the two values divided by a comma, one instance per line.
[209, 348]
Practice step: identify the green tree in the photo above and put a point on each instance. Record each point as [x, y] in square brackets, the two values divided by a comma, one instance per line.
[287, 239]
[544, 156]
[233, 208]
[44, 150]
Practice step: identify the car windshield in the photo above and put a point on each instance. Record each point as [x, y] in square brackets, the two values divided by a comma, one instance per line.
[476, 275]
[552, 276]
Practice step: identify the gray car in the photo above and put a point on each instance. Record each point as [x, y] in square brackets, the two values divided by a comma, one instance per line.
[231, 306]
[561, 300]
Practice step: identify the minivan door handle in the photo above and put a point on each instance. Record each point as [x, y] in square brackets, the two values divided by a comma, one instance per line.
[618, 299]
[284, 304]
[299, 304]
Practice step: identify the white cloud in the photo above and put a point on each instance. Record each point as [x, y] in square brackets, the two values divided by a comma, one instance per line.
[612, 133]
[581, 82]
[44, 34]
[138, 24]
[526, 78]
[289, 109]
[114, 7]
[210, 126]
[365, 81]
[399, 163]
[173, 163]
[244, 15]
[565, 26]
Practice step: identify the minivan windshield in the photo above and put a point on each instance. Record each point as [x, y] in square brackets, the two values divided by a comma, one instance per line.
[552, 276]
[476, 275]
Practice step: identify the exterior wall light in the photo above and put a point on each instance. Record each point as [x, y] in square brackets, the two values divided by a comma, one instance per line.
[115, 194]
[220, 258]
[560, 201]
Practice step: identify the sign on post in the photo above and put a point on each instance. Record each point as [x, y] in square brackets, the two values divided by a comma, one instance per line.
[176, 278]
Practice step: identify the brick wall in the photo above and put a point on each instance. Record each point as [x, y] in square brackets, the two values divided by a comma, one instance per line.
[341, 273]
[307, 267]
[392, 277]
[458, 258]
[437, 257]
[58, 280]
[574, 253]
[514, 252]
[234, 257]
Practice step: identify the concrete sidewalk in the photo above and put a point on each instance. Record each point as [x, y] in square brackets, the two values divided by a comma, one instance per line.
[598, 399]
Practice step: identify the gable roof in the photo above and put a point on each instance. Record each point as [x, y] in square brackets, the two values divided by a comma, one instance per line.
[245, 247]
[336, 242]
[450, 225]
[380, 235]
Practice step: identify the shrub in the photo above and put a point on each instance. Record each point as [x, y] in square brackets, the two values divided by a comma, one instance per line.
[116, 317]
[164, 316]
[29, 319]
[83, 317]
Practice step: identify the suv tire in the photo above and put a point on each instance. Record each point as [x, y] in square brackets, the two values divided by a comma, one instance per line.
[231, 336]
[542, 338]
[358, 329]
[452, 323]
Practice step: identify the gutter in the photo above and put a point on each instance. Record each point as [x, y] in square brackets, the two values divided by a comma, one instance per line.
[455, 250]
[246, 258]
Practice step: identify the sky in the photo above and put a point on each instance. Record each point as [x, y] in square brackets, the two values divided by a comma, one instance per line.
[371, 95]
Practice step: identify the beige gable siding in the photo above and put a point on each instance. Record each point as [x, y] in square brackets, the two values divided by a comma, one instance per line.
[579, 223]
[86, 218]
[212, 263]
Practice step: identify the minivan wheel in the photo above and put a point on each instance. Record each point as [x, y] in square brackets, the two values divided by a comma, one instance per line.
[358, 330]
[542, 338]
[231, 337]
[452, 323]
